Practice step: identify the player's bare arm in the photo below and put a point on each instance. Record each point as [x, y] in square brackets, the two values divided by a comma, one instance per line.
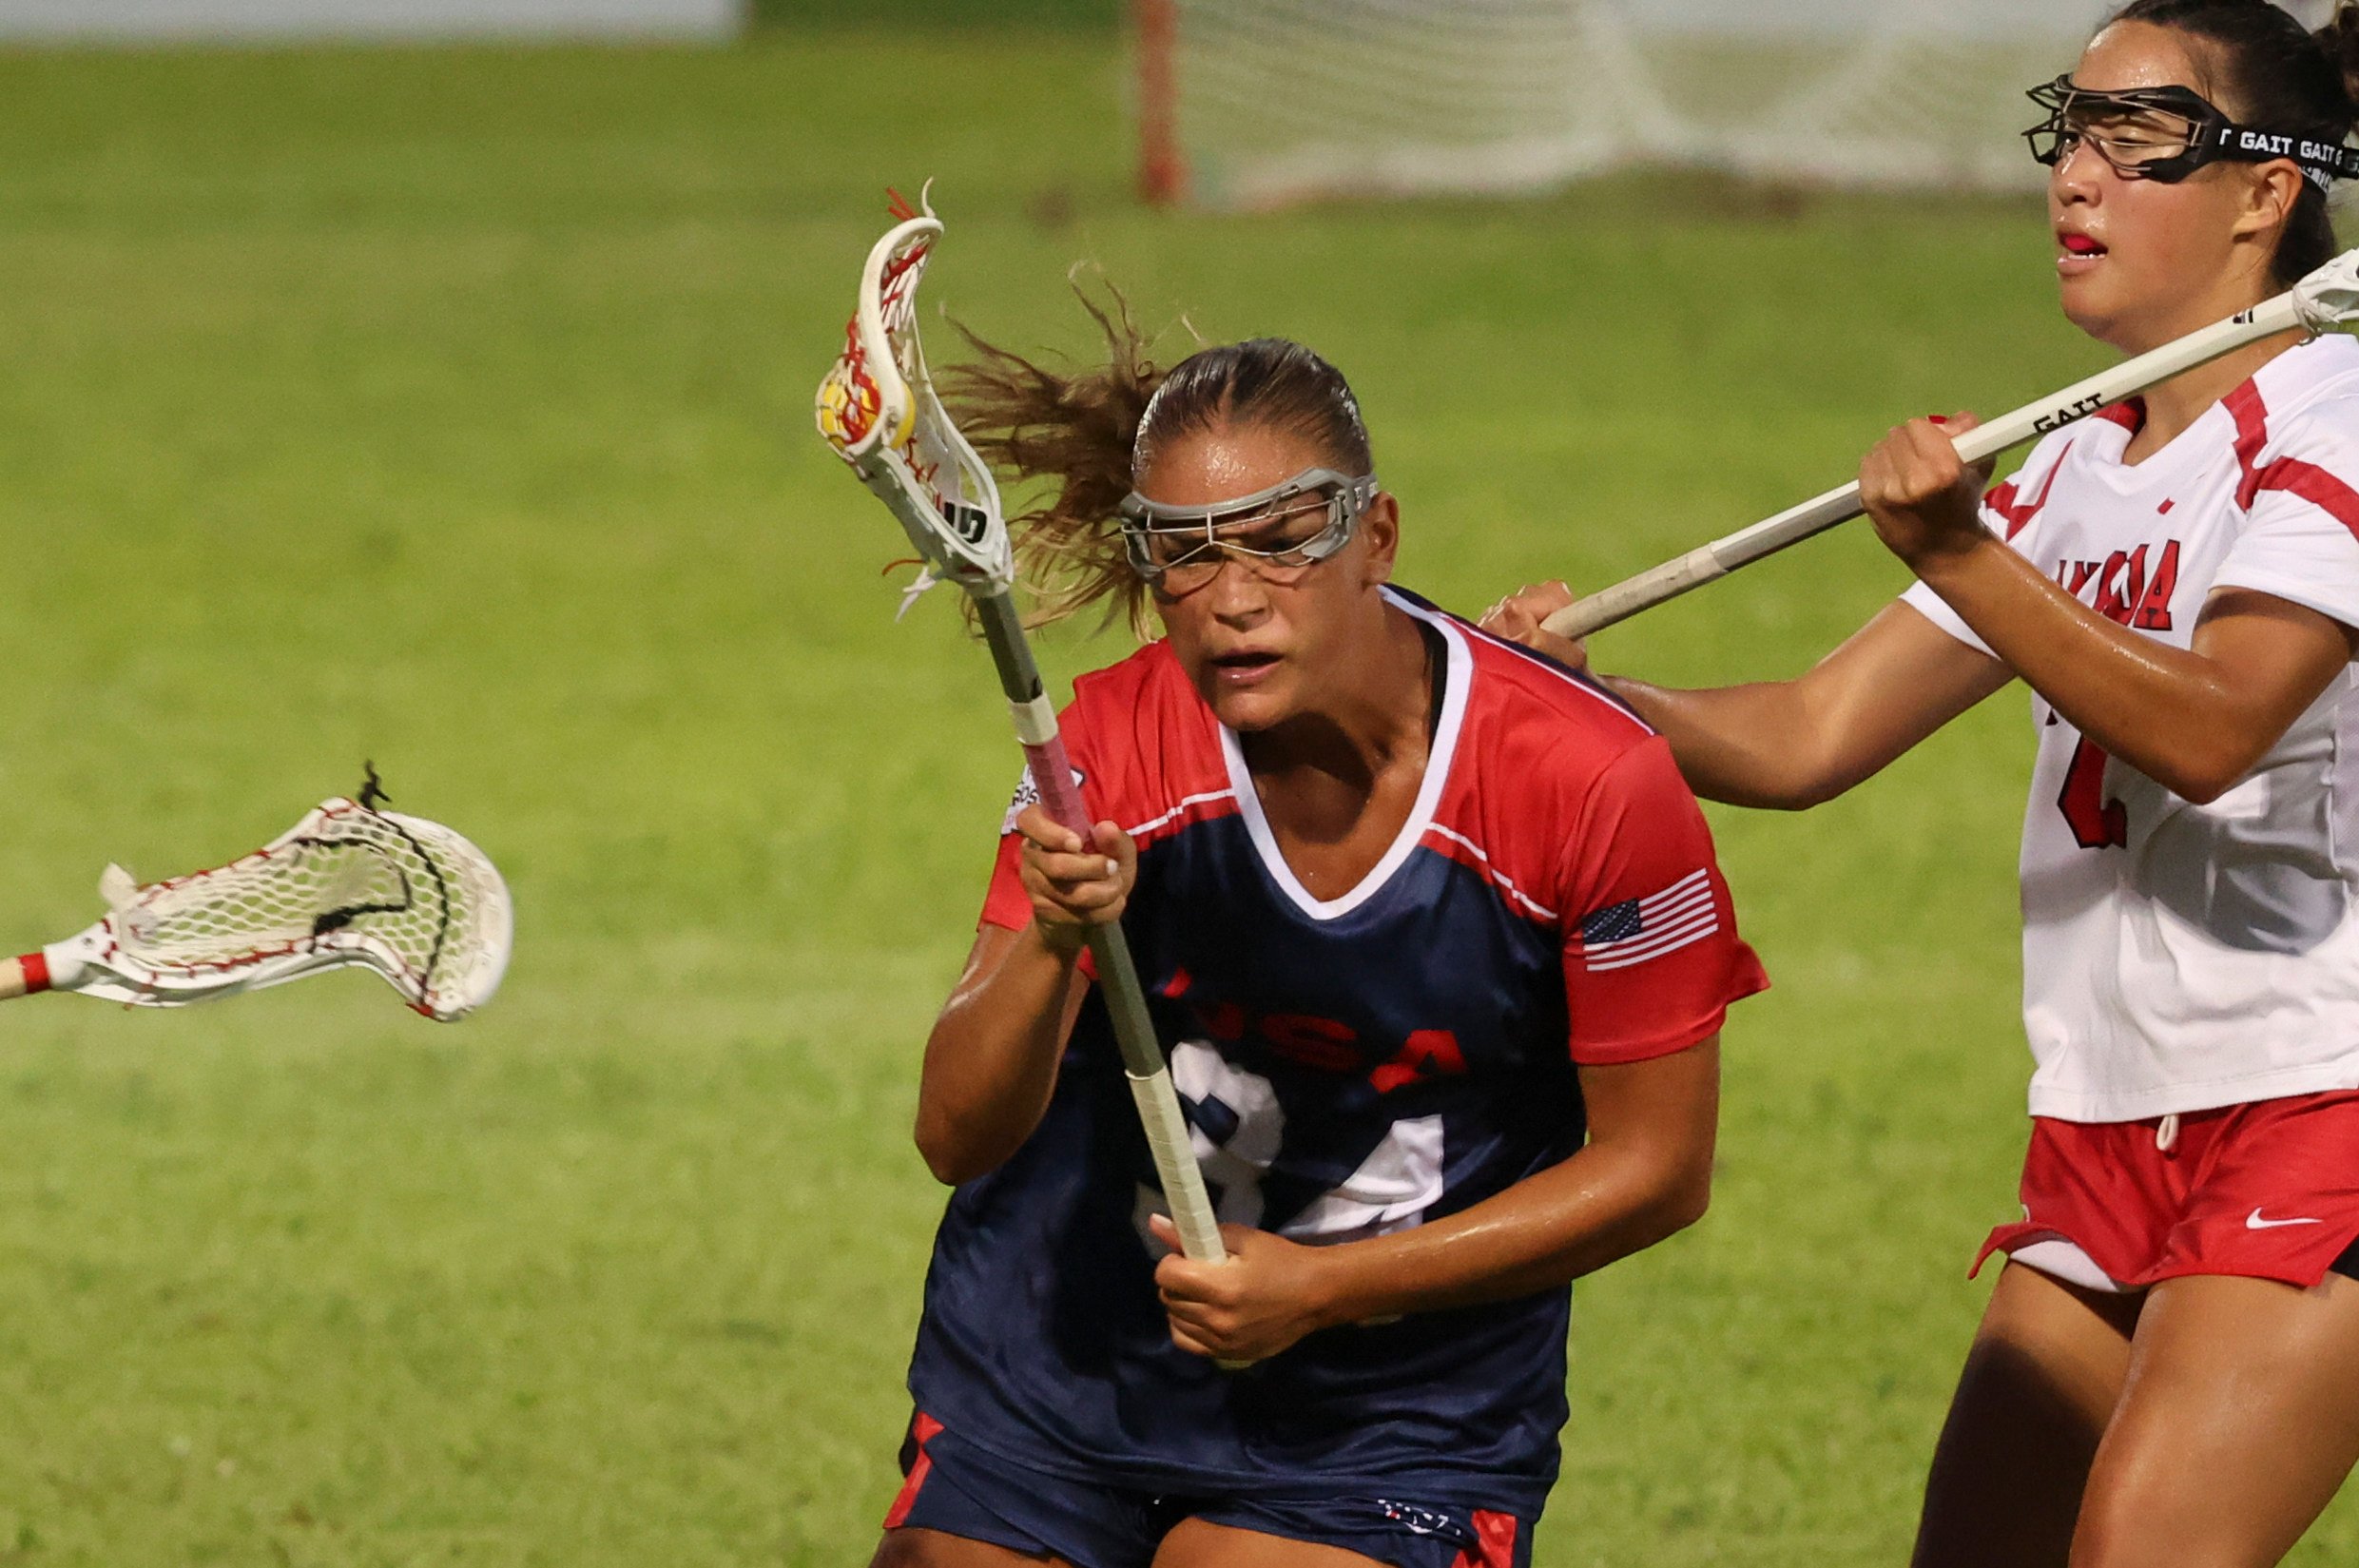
[1791, 745]
[2194, 720]
[1645, 1173]
[991, 1060]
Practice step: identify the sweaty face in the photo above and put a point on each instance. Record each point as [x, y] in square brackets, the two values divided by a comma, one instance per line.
[2141, 261]
[1263, 641]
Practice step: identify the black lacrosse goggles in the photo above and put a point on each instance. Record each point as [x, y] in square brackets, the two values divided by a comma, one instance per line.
[2165, 134]
[1285, 528]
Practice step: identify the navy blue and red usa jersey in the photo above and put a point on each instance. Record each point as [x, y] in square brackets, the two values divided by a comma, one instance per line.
[1349, 1067]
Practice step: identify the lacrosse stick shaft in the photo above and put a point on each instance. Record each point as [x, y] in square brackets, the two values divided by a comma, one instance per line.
[23, 977]
[1717, 559]
[1141, 1058]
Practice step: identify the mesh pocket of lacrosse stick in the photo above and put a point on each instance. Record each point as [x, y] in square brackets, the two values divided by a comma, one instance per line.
[406, 897]
[878, 409]
[864, 401]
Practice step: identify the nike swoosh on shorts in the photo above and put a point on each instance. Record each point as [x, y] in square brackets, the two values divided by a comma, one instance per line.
[2254, 1221]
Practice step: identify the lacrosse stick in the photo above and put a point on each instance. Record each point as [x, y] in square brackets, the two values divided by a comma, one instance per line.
[348, 884]
[878, 409]
[2324, 298]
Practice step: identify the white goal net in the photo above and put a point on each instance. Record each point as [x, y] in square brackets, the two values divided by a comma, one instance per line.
[1258, 103]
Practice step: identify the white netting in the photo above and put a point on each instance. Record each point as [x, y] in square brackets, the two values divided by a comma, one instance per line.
[405, 896]
[1282, 100]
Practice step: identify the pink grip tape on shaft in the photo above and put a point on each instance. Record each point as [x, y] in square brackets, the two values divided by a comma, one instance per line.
[1053, 775]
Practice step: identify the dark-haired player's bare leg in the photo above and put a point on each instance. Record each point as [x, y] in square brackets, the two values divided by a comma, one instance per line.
[911, 1547]
[2239, 1421]
[1195, 1544]
[2039, 1385]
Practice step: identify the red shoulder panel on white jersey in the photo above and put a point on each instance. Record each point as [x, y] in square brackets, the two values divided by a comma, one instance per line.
[2297, 429]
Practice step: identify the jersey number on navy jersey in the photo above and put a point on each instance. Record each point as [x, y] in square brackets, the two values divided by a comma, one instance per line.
[1239, 1130]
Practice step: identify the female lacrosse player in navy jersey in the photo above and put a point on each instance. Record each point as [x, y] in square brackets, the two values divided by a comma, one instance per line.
[1434, 936]
[2167, 1369]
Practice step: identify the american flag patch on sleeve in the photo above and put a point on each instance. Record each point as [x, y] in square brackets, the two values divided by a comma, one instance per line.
[1639, 929]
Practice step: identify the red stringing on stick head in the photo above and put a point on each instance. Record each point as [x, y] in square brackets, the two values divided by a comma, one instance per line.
[850, 402]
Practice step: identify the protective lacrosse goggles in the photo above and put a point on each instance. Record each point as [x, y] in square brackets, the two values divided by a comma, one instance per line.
[2165, 134]
[1296, 524]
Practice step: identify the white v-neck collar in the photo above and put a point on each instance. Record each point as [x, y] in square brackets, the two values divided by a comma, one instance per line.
[1458, 682]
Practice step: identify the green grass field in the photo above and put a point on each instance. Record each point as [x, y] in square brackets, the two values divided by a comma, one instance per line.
[452, 410]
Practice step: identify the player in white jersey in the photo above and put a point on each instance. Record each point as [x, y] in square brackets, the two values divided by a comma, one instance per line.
[2168, 1369]
[2211, 963]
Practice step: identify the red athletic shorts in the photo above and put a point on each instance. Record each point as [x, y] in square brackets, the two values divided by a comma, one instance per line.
[2268, 1189]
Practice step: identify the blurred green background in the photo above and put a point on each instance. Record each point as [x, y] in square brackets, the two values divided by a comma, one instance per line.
[452, 409]
[1099, 16]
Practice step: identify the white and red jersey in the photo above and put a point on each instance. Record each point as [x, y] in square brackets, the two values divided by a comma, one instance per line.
[2180, 956]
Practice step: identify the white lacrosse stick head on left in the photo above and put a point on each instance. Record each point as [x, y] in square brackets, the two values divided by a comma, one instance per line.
[878, 409]
[349, 884]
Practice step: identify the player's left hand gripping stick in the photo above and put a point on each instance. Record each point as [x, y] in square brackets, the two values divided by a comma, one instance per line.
[878, 409]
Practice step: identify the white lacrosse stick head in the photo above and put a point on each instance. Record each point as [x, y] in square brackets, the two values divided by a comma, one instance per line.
[2331, 295]
[349, 884]
[878, 409]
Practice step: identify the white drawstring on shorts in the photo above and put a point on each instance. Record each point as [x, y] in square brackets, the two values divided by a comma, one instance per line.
[2166, 1133]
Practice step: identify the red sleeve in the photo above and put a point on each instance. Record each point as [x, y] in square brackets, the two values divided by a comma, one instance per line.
[1007, 904]
[1651, 959]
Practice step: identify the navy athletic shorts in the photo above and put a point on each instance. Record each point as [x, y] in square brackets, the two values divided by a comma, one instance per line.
[959, 1490]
